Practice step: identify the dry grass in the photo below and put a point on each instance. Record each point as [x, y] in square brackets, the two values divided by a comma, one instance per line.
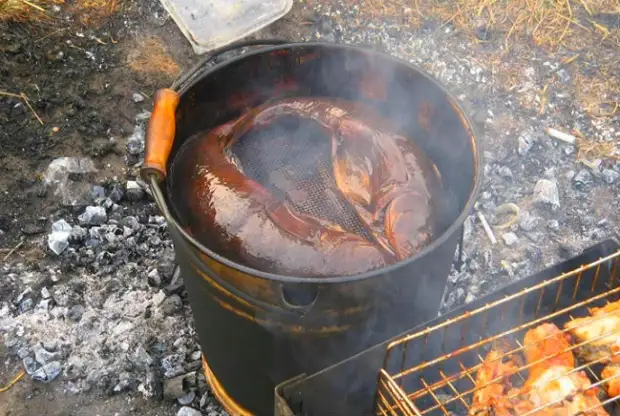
[591, 150]
[94, 12]
[25, 10]
[88, 12]
[569, 26]
[599, 93]
[150, 57]
[549, 23]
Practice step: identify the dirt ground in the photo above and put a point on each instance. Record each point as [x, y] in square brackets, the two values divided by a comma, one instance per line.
[79, 76]
[30, 398]
[66, 89]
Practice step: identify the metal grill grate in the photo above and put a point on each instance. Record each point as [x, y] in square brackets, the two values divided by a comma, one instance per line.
[292, 158]
[434, 370]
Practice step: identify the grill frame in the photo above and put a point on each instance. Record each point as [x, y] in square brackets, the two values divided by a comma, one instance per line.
[403, 389]
[322, 393]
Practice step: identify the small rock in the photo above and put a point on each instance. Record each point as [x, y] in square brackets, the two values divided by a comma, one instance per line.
[137, 98]
[58, 240]
[152, 386]
[75, 313]
[50, 345]
[124, 382]
[44, 356]
[582, 179]
[610, 176]
[143, 116]
[175, 388]
[568, 150]
[528, 222]
[510, 238]
[48, 372]
[117, 193]
[26, 305]
[534, 253]
[179, 342]
[142, 357]
[134, 191]
[107, 203]
[67, 175]
[188, 411]
[553, 225]
[30, 365]
[159, 297]
[93, 216]
[192, 366]
[196, 355]
[23, 295]
[44, 305]
[24, 352]
[78, 233]
[172, 304]
[525, 143]
[546, 193]
[97, 192]
[203, 400]
[154, 278]
[135, 143]
[505, 172]
[187, 399]
[173, 365]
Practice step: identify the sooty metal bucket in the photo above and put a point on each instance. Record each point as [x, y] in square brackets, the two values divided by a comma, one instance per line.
[258, 329]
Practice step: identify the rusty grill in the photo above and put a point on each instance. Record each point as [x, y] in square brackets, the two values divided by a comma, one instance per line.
[433, 371]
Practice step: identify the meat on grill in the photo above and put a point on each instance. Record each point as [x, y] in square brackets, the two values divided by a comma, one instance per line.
[552, 387]
[381, 174]
[493, 381]
[600, 335]
[552, 379]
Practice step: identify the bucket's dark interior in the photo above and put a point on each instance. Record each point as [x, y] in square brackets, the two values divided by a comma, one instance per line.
[417, 108]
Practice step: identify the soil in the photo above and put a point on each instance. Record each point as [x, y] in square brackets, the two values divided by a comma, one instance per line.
[30, 398]
[79, 79]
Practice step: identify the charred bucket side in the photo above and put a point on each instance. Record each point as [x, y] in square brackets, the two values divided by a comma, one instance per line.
[258, 329]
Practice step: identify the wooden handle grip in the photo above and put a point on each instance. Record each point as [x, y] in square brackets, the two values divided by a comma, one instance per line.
[160, 135]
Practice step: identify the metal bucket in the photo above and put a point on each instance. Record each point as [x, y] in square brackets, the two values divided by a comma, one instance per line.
[258, 329]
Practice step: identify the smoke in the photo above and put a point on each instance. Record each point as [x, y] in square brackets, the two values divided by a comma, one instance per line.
[358, 314]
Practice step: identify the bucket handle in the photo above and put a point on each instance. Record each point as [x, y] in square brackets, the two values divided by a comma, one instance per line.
[160, 136]
[161, 128]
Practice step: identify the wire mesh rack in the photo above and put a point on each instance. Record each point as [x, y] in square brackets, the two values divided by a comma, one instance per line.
[482, 363]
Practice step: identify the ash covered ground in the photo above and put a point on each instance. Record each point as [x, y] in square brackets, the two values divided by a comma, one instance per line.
[104, 327]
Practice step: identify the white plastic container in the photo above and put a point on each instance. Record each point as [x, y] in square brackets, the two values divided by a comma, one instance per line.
[211, 24]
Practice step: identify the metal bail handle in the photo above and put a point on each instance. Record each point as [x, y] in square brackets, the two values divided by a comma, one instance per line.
[161, 129]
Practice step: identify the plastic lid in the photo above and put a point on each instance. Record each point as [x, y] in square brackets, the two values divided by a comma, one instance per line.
[211, 24]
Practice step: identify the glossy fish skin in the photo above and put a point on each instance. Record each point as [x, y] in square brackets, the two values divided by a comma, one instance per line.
[261, 230]
[382, 174]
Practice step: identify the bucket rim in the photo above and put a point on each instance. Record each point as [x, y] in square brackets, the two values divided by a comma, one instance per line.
[467, 123]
